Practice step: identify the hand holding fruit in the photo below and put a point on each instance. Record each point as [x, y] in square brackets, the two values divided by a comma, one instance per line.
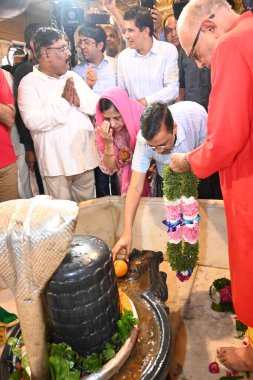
[125, 155]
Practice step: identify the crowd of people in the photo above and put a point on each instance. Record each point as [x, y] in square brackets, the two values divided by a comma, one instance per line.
[109, 124]
[69, 141]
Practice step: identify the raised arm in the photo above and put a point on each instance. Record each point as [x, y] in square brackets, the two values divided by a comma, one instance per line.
[131, 205]
[111, 7]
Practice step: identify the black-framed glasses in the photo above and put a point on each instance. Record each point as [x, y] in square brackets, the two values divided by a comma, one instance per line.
[62, 49]
[85, 42]
[197, 37]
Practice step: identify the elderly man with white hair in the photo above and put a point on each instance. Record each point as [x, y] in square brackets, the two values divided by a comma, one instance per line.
[214, 35]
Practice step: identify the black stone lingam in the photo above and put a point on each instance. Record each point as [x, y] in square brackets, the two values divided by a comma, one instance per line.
[82, 297]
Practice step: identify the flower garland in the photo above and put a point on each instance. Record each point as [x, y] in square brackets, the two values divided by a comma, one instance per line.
[182, 220]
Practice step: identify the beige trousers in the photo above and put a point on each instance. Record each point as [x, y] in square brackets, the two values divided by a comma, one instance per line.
[78, 188]
[9, 183]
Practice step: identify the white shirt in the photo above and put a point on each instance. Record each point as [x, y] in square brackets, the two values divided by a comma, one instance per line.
[153, 76]
[191, 121]
[63, 135]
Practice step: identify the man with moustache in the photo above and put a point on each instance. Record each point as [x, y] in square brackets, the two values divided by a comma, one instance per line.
[54, 104]
[112, 41]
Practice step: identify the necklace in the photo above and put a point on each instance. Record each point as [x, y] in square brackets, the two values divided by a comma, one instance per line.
[182, 219]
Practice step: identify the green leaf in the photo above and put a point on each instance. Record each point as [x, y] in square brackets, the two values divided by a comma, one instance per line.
[240, 326]
[109, 346]
[72, 376]
[108, 355]
[220, 283]
[16, 351]
[12, 341]
[92, 363]
[222, 307]
[16, 375]
[25, 362]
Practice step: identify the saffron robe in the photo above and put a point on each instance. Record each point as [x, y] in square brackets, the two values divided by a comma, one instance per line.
[229, 150]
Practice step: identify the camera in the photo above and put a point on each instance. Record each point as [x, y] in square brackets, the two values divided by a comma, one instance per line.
[72, 16]
[97, 18]
[148, 3]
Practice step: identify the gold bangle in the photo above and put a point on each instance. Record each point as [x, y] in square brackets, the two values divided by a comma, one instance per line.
[108, 154]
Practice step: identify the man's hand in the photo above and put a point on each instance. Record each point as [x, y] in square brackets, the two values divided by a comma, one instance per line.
[179, 162]
[157, 19]
[109, 5]
[76, 99]
[30, 158]
[68, 91]
[91, 76]
[143, 102]
[106, 132]
[125, 242]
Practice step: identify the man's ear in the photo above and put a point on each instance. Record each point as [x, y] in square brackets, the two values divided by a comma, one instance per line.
[175, 127]
[100, 45]
[209, 26]
[146, 30]
[31, 43]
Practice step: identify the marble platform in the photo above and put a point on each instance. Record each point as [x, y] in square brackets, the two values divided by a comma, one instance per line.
[197, 330]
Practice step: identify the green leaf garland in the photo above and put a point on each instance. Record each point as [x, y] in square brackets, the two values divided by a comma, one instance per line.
[183, 256]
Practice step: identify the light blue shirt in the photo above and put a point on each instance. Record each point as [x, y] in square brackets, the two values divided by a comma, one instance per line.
[153, 76]
[191, 121]
[106, 72]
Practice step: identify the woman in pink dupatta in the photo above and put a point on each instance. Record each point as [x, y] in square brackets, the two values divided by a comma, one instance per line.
[118, 122]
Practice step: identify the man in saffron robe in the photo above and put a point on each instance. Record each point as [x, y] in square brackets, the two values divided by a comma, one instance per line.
[213, 34]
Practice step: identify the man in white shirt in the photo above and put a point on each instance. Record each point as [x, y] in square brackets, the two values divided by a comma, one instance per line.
[147, 69]
[98, 70]
[180, 127]
[54, 104]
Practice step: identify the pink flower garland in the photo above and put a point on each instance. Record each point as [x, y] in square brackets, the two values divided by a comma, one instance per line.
[182, 220]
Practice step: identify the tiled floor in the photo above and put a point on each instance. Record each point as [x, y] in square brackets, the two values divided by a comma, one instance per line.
[198, 330]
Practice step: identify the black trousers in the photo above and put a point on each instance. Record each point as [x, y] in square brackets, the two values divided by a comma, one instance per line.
[106, 184]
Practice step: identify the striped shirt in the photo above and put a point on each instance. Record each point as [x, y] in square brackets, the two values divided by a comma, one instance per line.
[153, 76]
[191, 121]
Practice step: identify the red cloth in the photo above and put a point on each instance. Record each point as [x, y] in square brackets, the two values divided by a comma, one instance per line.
[130, 110]
[229, 149]
[7, 155]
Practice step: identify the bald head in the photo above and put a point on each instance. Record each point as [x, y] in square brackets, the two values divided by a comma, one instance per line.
[201, 24]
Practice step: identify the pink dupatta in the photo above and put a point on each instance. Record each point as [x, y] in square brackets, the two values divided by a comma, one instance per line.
[130, 111]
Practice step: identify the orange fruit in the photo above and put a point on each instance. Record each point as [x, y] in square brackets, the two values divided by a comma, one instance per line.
[120, 267]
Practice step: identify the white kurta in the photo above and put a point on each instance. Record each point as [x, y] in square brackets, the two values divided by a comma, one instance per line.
[63, 134]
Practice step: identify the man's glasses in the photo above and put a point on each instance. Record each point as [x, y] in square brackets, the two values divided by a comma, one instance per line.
[161, 148]
[85, 42]
[197, 38]
[62, 49]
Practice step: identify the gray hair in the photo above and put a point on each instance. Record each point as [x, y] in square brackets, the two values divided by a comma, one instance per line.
[197, 10]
